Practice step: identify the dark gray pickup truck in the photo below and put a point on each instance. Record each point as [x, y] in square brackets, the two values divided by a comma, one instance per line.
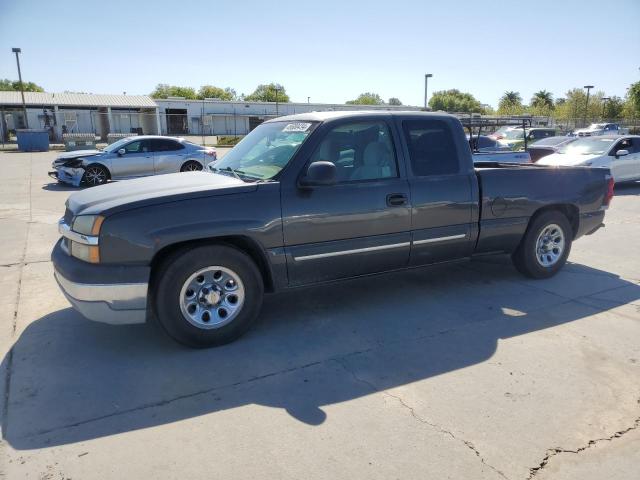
[307, 199]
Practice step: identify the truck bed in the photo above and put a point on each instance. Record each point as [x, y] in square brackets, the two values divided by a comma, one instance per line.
[510, 194]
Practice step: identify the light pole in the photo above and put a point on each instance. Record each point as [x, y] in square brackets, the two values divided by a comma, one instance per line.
[24, 105]
[277, 88]
[604, 104]
[586, 105]
[426, 80]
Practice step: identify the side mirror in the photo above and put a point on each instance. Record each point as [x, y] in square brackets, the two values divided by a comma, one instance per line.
[122, 151]
[622, 153]
[320, 173]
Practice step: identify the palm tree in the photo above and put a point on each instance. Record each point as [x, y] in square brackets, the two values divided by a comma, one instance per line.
[512, 98]
[542, 99]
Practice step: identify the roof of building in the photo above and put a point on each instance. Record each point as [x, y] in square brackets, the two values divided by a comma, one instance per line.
[77, 100]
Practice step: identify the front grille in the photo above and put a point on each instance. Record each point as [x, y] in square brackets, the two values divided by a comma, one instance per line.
[68, 217]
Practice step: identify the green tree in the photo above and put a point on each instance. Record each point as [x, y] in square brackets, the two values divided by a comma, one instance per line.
[367, 98]
[632, 103]
[542, 99]
[455, 101]
[394, 101]
[267, 93]
[210, 91]
[14, 85]
[164, 90]
[613, 108]
[511, 104]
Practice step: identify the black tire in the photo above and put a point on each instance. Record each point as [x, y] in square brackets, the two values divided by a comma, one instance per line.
[178, 268]
[191, 166]
[525, 258]
[95, 175]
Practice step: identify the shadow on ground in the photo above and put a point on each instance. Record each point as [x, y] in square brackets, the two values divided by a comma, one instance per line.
[73, 380]
[61, 187]
[628, 188]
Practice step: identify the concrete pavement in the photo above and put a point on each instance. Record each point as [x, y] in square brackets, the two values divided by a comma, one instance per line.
[461, 371]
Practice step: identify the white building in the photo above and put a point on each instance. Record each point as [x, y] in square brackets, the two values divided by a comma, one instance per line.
[80, 113]
[179, 116]
[103, 114]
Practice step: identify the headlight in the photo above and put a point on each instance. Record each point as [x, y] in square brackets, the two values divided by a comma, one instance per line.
[87, 224]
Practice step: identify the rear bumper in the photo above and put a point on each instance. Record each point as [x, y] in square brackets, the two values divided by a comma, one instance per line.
[590, 223]
[109, 294]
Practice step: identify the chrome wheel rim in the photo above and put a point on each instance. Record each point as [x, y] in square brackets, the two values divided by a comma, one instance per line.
[550, 245]
[192, 167]
[212, 297]
[95, 176]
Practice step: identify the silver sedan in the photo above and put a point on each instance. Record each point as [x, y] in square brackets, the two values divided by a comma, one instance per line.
[130, 158]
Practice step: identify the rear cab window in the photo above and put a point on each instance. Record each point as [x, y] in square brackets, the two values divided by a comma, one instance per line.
[432, 149]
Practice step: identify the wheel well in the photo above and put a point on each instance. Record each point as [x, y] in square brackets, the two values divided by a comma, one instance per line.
[102, 166]
[242, 243]
[570, 211]
[190, 160]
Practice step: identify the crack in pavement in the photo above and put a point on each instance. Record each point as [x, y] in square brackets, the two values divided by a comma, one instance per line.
[552, 452]
[9, 368]
[419, 418]
[22, 264]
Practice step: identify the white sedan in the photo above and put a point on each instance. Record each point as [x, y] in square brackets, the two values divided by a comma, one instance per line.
[621, 154]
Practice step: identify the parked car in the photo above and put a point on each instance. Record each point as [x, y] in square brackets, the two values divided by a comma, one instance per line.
[596, 129]
[547, 146]
[514, 139]
[486, 149]
[499, 134]
[620, 154]
[307, 199]
[129, 158]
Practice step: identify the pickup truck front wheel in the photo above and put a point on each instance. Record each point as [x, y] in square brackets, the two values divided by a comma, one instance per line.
[545, 246]
[208, 296]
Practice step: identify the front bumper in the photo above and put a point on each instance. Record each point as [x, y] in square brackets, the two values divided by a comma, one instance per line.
[109, 294]
[72, 176]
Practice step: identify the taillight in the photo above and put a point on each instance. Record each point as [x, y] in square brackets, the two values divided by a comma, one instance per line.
[609, 195]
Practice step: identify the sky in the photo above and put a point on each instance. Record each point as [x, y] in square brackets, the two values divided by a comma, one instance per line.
[330, 51]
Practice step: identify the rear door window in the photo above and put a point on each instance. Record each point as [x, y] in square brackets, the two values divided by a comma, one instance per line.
[166, 145]
[432, 149]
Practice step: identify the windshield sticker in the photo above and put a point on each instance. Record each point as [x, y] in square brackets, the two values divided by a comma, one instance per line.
[296, 127]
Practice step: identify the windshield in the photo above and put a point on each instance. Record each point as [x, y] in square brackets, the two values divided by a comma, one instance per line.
[588, 146]
[517, 134]
[115, 146]
[596, 126]
[263, 153]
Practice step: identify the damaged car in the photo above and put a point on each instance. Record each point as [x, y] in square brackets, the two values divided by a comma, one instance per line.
[131, 157]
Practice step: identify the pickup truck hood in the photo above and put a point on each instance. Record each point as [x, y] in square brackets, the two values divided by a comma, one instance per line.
[565, 159]
[136, 193]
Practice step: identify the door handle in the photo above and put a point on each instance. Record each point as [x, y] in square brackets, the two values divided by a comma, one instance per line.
[397, 199]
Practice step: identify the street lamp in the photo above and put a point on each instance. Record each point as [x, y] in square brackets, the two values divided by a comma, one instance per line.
[426, 80]
[276, 89]
[586, 105]
[24, 106]
[604, 104]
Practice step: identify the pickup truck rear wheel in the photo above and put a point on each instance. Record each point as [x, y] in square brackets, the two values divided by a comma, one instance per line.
[545, 246]
[208, 296]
